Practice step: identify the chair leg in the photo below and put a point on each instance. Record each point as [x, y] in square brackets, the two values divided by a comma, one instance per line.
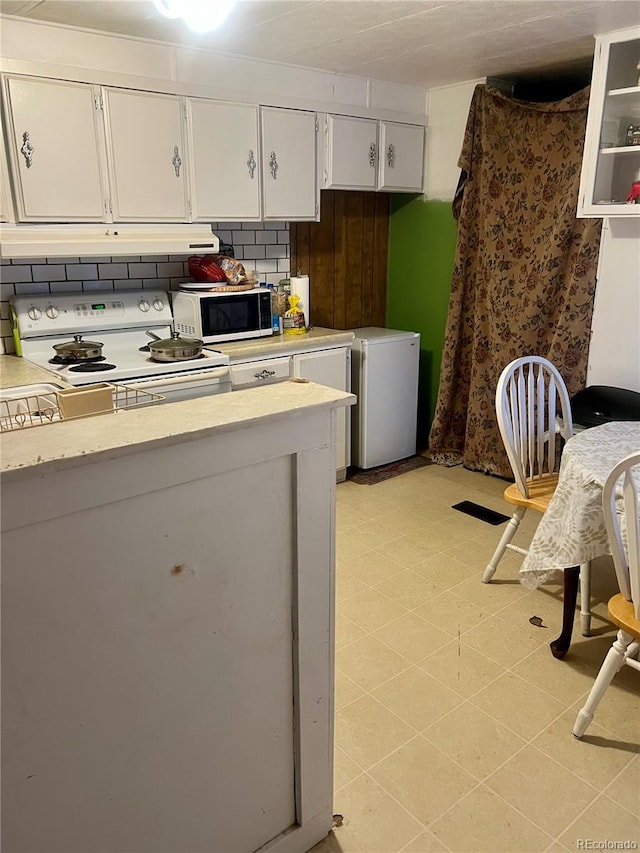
[585, 599]
[611, 665]
[507, 536]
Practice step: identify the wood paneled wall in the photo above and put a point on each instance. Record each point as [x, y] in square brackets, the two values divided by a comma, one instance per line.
[345, 256]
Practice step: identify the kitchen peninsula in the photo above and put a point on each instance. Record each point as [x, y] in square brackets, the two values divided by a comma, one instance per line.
[167, 618]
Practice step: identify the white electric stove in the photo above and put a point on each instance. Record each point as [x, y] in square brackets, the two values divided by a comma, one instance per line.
[119, 320]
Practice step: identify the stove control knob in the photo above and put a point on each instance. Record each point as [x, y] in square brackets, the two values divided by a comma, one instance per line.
[34, 313]
[143, 305]
[158, 304]
[52, 312]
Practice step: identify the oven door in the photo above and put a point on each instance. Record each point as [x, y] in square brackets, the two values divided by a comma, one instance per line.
[187, 385]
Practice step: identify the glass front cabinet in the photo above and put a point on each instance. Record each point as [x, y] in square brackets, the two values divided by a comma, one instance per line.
[610, 180]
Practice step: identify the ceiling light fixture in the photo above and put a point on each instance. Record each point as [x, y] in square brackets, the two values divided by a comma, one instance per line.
[199, 15]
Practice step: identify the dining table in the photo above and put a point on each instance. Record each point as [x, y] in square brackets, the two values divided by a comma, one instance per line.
[572, 531]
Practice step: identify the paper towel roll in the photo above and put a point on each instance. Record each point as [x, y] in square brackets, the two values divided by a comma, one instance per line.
[300, 287]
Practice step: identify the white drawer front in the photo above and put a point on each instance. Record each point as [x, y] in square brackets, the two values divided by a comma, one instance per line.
[260, 372]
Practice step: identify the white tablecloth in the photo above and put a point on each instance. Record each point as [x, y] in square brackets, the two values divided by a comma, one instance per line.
[572, 530]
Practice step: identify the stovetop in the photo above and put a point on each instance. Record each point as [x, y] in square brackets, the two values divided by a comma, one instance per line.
[118, 320]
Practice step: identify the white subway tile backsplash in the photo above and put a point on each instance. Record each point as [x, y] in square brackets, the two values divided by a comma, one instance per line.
[166, 270]
[127, 284]
[117, 270]
[86, 272]
[241, 238]
[47, 272]
[259, 246]
[142, 270]
[23, 288]
[66, 286]
[89, 285]
[252, 252]
[15, 274]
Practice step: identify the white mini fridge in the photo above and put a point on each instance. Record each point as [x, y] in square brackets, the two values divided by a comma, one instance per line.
[384, 376]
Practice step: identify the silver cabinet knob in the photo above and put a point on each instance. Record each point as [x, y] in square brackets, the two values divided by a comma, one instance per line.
[34, 313]
[158, 304]
[143, 305]
[52, 312]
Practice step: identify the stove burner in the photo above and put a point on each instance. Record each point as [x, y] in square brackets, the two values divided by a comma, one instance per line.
[58, 359]
[88, 366]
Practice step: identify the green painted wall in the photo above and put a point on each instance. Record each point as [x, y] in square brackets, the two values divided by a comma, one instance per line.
[422, 240]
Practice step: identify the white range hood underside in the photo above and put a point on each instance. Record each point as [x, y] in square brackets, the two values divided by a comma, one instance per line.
[60, 241]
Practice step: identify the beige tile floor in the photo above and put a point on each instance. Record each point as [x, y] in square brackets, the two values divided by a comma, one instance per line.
[453, 721]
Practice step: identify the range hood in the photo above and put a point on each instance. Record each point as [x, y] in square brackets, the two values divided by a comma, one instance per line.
[61, 241]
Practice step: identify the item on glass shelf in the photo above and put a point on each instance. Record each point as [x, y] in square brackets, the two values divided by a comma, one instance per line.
[633, 135]
[634, 193]
[293, 320]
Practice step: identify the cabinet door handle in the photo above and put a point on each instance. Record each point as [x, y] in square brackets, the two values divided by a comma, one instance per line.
[177, 162]
[273, 165]
[251, 163]
[27, 149]
[373, 154]
[391, 156]
[265, 374]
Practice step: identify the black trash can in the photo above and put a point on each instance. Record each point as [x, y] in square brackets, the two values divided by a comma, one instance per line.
[601, 404]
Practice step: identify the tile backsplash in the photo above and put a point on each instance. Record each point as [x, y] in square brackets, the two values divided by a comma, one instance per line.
[261, 246]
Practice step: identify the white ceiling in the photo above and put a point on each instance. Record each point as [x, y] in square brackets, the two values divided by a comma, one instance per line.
[422, 42]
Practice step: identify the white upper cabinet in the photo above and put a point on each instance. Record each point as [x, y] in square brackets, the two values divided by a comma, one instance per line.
[401, 157]
[351, 153]
[290, 186]
[147, 156]
[54, 131]
[225, 167]
[611, 160]
[366, 154]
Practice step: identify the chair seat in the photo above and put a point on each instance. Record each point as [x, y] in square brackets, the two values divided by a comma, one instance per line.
[622, 614]
[541, 491]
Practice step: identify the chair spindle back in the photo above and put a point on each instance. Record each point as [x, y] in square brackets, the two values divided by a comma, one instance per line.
[627, 563]
[530, 397]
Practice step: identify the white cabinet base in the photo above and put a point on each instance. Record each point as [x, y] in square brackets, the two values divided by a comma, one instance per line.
[168, 644]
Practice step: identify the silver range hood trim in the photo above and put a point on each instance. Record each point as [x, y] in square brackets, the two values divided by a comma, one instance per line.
[62, 241]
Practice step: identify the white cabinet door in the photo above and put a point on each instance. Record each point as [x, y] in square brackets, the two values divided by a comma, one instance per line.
[333, 369]
[225, 173]
[145, 140]
[611, 159]
[55, 141]
[401, 158]
[289, 164]
[351, 153]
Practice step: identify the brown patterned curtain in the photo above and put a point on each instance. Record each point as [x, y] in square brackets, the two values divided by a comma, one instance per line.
[525, 268]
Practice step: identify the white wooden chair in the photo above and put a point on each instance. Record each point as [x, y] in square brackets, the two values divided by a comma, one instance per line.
[532, 405]
[624, 608]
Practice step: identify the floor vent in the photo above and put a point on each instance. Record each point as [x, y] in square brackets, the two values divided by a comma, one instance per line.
[481, 512]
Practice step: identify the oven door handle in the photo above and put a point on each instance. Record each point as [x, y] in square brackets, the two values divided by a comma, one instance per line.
[167, 381]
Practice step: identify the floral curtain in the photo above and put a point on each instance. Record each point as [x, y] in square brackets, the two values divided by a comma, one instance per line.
[525, 268]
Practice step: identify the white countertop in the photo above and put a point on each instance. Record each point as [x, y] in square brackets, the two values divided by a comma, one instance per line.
[18, 371]
[67, 444]
[277, 345]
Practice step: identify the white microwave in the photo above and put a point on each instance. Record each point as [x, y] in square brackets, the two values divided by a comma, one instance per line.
[222, 316]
